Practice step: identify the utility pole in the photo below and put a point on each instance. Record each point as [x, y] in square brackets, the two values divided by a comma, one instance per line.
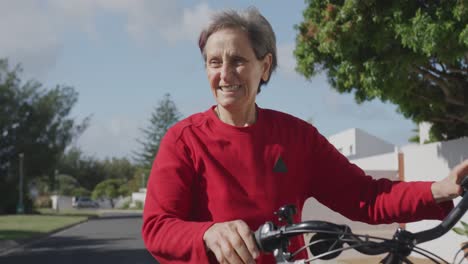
[20, 207]
[57, 189]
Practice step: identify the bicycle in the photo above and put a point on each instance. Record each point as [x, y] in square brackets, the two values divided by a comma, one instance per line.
[329, 239]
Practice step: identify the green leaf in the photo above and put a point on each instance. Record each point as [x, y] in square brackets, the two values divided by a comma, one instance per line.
[465, 225]
[459, 231]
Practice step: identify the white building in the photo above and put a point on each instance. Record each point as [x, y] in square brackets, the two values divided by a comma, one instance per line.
[139, 196]
[355, 143]
[413, 162]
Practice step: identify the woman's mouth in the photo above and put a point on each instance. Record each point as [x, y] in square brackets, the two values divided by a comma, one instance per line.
[230, 88]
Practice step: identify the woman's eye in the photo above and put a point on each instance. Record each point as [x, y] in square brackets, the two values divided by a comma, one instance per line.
[214, 63]
[238, 61]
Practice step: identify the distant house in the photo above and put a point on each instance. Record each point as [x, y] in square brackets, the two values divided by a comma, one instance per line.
[412, 162]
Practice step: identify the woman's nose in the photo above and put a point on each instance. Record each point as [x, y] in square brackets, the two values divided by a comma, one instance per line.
[227, 72]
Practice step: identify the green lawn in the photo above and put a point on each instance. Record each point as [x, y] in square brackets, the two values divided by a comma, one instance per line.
[17, 227]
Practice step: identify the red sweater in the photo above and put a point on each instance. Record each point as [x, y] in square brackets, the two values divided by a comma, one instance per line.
[207, 171]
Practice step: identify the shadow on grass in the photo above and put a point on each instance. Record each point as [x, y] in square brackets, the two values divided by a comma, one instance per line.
[51, 212]
[89, 215]
[18, 235]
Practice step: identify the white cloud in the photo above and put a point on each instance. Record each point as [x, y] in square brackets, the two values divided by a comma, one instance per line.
[28, 36]
[33, 32]
[192, 22]
[146, 20]
[74, 14]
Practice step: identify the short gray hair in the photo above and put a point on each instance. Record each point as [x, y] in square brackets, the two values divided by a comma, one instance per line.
[258, 29]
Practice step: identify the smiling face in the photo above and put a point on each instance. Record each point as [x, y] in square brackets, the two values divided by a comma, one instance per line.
[233, 70]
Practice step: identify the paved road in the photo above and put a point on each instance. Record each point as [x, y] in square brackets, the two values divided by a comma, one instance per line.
[113, 239]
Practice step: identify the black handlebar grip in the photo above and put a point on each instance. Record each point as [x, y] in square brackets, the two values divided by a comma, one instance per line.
[263, 239]
[258, 239]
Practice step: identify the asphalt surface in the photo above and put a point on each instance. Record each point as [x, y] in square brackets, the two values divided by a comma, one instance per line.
[112, 238]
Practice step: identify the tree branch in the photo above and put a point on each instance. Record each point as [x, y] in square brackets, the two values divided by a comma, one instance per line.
[429, 74]
[460, 119]
[440, 120]
[450, 119]
[454, 70]
[448, 75]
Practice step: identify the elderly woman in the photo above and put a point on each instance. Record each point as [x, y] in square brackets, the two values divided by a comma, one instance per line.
[222, 173]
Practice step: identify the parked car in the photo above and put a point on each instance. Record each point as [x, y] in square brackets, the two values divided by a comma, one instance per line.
[84, 202]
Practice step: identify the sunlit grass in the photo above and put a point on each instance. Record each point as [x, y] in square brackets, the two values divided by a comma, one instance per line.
[18, 227]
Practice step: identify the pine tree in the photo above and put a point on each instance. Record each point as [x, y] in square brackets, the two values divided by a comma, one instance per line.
[164, 116]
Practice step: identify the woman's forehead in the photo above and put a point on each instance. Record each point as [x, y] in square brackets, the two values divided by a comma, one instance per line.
[228, 41]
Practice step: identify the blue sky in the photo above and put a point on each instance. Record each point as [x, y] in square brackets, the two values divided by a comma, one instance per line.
[122, 56]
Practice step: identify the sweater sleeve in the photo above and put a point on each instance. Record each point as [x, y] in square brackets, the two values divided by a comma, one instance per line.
[345, 188]
[168, 231]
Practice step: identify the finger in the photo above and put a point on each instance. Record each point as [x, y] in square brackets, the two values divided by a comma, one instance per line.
[228, 252]
[218, 253]
[241, 249]
[248, 238]
[461, 171]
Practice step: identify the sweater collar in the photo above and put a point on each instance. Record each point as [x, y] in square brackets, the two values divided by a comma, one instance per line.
[220, 125]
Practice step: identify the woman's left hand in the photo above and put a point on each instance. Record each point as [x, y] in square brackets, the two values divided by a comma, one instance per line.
[449, 188]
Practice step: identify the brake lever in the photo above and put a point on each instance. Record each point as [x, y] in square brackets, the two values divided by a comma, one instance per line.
[286, 213]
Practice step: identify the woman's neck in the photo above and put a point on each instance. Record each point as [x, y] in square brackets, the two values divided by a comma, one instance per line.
[237, 118]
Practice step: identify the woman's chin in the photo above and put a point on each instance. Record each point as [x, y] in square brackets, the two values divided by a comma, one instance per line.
[227, 102]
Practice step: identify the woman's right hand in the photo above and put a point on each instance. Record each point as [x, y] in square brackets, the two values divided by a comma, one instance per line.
[231, 242]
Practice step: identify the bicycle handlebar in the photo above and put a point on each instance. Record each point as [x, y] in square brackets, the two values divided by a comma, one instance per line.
[450, 220]
[270, 238]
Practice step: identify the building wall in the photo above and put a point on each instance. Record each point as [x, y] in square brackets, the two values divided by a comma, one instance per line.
[381, 162]
[60, 202]
[369, 145]
[138, 196]
[355, 143]
[345, 142]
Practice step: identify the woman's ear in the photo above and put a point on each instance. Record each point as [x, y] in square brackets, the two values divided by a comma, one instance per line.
[267, 60]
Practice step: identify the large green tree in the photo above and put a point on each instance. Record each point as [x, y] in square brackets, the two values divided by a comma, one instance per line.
[89, 171]
[411, 53]
[34, 121]
[110, 189]
[118, 168]
[164, 116]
